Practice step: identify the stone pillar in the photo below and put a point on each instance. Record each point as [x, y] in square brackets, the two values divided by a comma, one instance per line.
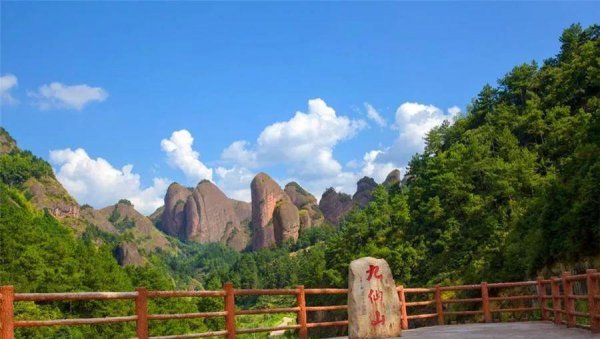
[373, 303]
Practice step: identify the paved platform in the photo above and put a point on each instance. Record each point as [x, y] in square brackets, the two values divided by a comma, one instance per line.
[517, 330]
[524, 330]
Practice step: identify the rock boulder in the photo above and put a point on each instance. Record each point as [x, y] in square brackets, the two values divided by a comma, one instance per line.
[373, 303]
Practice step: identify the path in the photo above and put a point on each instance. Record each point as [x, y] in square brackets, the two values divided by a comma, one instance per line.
[284, 322]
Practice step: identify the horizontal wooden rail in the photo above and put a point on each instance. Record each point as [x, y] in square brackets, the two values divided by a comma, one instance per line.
[266, 329]
[554, 299]
[460, 287]
[186, 315]
[193, 335]
[74, 296]
[268, 310]
[265, 292]
[513, 284]
[180, 294]
[420, 303]
[73, 322]
[419, 290]
[422, 316]
[326, 291]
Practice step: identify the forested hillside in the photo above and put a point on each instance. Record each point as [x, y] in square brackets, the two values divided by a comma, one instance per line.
[506, 192]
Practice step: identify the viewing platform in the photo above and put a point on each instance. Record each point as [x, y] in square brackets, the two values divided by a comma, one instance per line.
[565, 307]
[524, 330]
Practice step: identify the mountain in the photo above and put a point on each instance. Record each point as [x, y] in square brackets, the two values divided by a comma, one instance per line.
[119, 225]
[135, 232]
[205, 215]
[309, 212]
[275, 218]
[335, 205]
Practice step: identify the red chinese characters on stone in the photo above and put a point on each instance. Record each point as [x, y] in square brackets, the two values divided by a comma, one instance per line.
[379, 319]
[373, 270]
[375, 296]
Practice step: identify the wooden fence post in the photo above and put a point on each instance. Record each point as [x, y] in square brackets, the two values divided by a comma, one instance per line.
[485, 302]
[403, 315]
[569, 302]
[438, 305]
[230, 309]
[141, 311]
[556, 306]
[7, 312]
[301, 301]
[593, 304]
[541, 291]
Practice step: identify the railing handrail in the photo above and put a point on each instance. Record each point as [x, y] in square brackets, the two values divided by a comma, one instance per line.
[561, 311]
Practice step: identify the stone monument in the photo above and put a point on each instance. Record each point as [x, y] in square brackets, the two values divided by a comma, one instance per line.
[373, 303]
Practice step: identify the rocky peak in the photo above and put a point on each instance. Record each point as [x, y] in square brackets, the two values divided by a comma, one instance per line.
[392, 179]
[299, 196]
[335, 205]
[173, 217]
[364, 191]
[309, 212]
[205, 215]
[272, 213]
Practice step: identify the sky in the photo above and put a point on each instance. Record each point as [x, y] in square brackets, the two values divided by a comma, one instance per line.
[123, 98]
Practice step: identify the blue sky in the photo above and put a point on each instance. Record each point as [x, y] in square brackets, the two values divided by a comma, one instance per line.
[97, 87]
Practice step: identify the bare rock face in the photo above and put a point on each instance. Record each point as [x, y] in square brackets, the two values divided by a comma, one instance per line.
[7, 143]
[310, 214]
[127, 254]
[393, 178]
[286, 221]
[373, 303]
[205, 215]
[364, 191]
[267, 196]
[212, 217]
[173, 217]
[335, 205]
[243, 210]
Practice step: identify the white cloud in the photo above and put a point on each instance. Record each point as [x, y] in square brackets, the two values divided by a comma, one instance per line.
[98, 183]
[374, 169]
[235, 182]
[414, 120]
[304, 144]
[7, 83]
[454, 111]
[58, 95]
[374, 115]
[181, 155]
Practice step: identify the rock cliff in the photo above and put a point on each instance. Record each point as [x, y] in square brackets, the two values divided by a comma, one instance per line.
[275, 217]
[364, 191]
[205, 215]
[392, 179]
[309, 212]
[335, 205]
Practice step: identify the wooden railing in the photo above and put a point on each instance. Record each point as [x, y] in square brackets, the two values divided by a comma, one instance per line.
[554, 300]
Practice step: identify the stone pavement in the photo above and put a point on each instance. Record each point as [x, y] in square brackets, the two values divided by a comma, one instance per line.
[517, 330]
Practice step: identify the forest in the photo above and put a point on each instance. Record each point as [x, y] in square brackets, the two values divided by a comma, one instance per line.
[508, 191]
